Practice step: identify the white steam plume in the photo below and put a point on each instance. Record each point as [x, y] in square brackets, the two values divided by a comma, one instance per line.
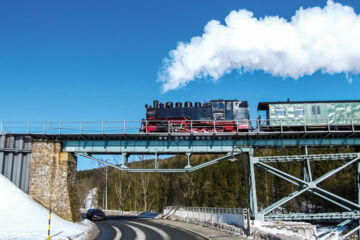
[326, 39]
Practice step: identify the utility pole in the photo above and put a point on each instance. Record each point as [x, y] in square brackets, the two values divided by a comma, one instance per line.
[106, 187]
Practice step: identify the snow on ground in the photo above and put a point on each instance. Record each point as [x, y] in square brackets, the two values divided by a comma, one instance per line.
[333, 235]
[23, 218]
[261, 226]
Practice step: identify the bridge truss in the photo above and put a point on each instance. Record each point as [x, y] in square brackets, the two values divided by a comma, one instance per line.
[351, 213]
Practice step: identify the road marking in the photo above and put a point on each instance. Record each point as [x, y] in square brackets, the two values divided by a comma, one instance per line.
[163, 234]
[118, 233]
[140, 235]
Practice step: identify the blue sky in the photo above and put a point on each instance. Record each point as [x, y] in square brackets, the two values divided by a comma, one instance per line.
[98, 60]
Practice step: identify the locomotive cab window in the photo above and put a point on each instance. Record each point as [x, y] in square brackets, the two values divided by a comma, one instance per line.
[299, 111]
[280, 112]
[218, 106]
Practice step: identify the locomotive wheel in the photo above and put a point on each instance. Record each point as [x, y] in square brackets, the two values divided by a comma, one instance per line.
[219, 130]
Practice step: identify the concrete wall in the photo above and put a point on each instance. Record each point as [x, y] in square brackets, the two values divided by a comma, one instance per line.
[52, 179]
[15, 157]
[211, 216]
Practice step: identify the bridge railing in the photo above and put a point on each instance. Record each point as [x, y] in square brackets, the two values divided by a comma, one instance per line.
[179, 126]
[217, 217]
[89, 127]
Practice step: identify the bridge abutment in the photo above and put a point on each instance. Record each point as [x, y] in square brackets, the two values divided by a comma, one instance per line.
[52, 179]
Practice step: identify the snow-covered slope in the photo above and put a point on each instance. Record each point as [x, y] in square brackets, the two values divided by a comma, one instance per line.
[23, 218]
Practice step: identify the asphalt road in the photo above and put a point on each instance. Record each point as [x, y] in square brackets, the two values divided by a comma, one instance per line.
[131, 228]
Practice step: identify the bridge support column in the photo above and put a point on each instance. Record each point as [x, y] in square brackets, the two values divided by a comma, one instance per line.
[53, 178]
[188, 160]
[253, 195]
[125, 160]
[358, 190]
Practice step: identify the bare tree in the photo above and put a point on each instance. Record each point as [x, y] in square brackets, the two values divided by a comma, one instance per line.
[193, 191]
[119, 186]
[104, 173]
[121, 194]
[187, 189]
[145, 182]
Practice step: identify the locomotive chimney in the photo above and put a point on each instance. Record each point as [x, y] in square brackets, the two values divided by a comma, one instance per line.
[161, 105]
[178, 105]
[188, 104]
[198, 104]
[156, 103]
[169, 105]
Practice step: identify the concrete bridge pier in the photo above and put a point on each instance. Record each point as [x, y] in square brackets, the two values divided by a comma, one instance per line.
[52, 179]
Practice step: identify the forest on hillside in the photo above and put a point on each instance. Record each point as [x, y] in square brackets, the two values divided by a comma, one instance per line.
[219, 185]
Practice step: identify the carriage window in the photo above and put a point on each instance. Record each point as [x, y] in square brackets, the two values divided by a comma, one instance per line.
[279, 112]
[221, 105]
[315, 110]
[299, 111]
[215, 105]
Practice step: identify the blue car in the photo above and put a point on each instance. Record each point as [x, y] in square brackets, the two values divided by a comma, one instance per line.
[95, 214]
[148, 215]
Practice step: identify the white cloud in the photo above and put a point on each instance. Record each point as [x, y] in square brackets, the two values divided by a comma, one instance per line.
[326, 39]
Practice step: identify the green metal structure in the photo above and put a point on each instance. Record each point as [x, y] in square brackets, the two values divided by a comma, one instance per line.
[319, 113]
[351, 213]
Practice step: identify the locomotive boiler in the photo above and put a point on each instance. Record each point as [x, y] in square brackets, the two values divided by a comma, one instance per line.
[213, 116]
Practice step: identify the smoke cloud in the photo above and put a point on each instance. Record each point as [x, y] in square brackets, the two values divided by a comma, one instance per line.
[325, 39]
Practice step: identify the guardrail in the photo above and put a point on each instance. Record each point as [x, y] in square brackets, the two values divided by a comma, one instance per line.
[209, 216]
[180, 126]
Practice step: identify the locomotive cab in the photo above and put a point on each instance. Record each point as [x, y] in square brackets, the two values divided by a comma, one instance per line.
[230, 110]
[218, 109]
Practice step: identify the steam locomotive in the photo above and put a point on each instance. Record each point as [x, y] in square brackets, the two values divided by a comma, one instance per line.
[213, 116]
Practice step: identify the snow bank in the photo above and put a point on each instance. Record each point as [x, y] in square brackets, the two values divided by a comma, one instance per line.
[23, 218]
[284, 230]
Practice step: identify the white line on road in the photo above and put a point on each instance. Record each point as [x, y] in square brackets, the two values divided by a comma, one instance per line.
[163, 234]
[140, 235]
[118, 233]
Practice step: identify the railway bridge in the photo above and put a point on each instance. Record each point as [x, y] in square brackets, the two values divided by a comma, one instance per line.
[40, 158]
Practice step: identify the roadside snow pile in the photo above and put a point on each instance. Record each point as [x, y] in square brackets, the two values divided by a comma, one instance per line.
[23, 218]
[283, 230]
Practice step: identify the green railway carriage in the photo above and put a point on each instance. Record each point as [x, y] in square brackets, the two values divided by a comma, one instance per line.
[309, 115]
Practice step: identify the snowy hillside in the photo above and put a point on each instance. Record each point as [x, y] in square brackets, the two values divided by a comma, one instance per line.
[23, 218]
